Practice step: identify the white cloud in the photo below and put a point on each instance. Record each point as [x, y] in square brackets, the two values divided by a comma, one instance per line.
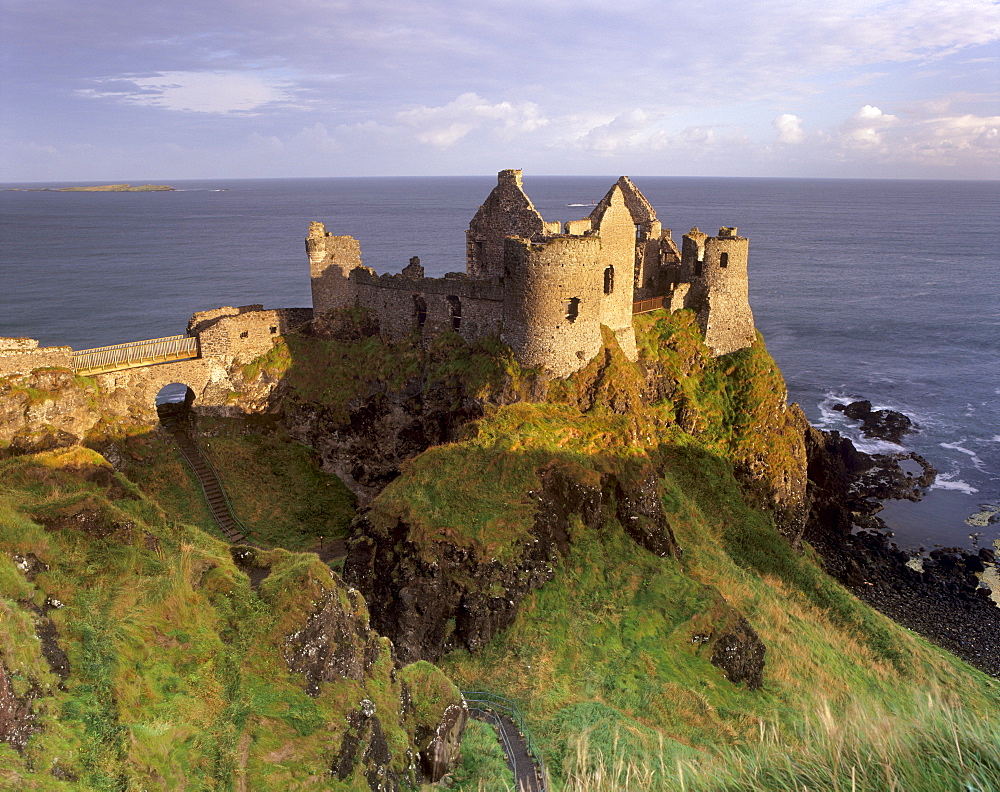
[633, 129]
[865, 129]
[445, 125]
[789, 128]
[224, 93]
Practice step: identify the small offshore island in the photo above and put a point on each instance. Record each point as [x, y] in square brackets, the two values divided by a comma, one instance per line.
[99, 188]
[568, 476]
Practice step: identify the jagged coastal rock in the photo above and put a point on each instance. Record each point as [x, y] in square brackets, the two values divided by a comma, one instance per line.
[882, 424]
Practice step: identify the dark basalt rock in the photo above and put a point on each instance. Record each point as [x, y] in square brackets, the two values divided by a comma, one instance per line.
[440, 748]
[739, 652]
[882, 424]
[17, 720]
[334, 644]
[364, 742]
[48, 638]
[944, 602]
[437, 597]
[640, 513]
[381, 430]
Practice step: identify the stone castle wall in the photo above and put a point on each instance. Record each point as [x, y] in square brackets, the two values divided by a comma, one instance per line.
[552, 308]
[23, 355]
[244, 333]
[409, 303]
[620, 253]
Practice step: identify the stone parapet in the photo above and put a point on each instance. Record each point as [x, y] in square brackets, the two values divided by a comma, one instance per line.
[17, 344]
[27, 358]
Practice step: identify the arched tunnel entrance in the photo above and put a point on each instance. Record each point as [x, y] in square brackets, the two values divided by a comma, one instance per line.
[173, 403]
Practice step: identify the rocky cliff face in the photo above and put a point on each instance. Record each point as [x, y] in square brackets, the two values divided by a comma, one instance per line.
[47, 409]
[434, 598]
[943, 599]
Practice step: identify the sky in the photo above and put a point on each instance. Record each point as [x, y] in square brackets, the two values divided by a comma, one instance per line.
[132, 90]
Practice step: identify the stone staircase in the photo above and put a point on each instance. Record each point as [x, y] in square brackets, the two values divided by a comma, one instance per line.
[215, 495]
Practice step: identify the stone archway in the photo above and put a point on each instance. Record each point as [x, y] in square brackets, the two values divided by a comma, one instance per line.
[173, 403]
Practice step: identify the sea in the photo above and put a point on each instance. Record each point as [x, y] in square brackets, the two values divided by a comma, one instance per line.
[863, 289]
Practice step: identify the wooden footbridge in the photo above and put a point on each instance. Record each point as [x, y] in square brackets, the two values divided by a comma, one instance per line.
[119, 357]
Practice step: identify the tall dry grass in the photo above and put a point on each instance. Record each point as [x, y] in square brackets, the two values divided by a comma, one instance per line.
[938, 747]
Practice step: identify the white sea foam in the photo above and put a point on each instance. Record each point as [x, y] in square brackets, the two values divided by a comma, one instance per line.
[957, 446]
[945, 482]
[872, 445]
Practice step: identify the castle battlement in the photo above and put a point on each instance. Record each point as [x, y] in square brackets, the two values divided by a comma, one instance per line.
[547, 288]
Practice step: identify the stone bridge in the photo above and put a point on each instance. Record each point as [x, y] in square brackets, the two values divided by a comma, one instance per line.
[208, 360]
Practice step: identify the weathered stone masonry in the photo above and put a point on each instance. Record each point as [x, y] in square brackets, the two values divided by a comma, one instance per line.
[227, 339]
[545, 290]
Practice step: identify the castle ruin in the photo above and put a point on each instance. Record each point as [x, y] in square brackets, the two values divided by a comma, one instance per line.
[545, 289]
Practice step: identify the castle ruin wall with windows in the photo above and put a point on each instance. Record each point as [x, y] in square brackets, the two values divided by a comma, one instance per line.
[547, 289]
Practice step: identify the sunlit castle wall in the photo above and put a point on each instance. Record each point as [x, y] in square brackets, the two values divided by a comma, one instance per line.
[553, 301]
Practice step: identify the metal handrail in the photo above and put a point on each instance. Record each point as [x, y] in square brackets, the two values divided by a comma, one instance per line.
[494, 702]
[130, 344]
[135, 353]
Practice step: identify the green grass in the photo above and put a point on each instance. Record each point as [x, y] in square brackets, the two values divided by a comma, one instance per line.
[179, 674]
[276, 486]
[484, 767]
[940, 749]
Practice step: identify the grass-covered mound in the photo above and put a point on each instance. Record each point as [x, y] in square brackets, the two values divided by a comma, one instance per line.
[612, 658]
[345, 360]
[136, 655]
[275, 485]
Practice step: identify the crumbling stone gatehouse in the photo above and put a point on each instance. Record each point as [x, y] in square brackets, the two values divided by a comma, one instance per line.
[547, 290]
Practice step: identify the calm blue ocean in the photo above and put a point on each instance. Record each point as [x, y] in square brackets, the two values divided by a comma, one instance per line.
[885, 290]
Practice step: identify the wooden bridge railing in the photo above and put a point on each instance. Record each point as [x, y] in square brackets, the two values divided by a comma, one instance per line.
[645, 306]
[134, 354]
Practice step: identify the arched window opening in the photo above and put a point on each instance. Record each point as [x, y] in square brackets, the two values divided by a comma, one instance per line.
[173, 404]
[572, 309]
[419, 310]
[723, 259]
[609, 280]
[455, 309]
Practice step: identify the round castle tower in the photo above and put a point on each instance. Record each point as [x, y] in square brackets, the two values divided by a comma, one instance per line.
[553, 301]
[725, 316]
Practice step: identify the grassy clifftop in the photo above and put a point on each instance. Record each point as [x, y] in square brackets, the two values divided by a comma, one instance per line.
[136, 654]
[614, 656]
[620, 553]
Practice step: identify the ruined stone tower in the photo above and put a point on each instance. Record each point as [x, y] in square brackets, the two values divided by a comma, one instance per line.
[717, 270]
[552, 307]
[331, 260]
[506, 212]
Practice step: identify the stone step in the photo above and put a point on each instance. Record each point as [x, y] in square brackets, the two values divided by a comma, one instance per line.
[214, 495]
